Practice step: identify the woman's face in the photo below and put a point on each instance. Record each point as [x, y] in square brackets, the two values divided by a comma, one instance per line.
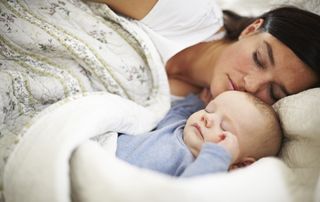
[260, 64]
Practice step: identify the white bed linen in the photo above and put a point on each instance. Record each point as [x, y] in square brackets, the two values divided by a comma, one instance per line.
[99, 176]
[42, 160]
[39, 168]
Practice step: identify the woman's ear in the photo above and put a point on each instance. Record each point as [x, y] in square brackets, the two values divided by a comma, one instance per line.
[252, 28]
[246, 161]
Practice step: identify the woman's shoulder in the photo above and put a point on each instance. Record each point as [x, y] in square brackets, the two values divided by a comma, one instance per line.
[182, 11]
[176, 25]
[181, 88]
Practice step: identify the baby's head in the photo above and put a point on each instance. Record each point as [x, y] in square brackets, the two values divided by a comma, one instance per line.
[254, 123]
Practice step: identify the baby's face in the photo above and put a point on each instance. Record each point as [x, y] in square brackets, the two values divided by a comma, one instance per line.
[230, 111]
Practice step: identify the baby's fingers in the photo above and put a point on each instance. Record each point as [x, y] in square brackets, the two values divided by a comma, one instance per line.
[230, 142]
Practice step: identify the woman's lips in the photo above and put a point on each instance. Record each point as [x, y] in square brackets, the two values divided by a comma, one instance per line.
[232, 85]
[198, 130]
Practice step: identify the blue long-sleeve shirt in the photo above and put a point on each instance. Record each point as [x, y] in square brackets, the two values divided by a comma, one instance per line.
[164, 150]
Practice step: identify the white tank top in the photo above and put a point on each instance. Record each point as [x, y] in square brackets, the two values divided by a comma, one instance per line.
[174, 25]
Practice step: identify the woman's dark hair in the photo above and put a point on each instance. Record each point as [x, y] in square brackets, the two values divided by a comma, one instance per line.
[296, 28]
[234, 24]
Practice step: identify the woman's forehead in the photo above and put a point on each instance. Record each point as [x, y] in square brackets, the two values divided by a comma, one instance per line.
[289, 70]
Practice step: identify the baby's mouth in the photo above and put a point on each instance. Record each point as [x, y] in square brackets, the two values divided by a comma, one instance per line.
[198, 130]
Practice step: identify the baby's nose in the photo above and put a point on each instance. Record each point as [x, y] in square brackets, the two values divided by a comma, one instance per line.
[208, 120]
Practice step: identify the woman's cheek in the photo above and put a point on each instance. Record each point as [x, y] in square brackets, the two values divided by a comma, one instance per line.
[218, 85]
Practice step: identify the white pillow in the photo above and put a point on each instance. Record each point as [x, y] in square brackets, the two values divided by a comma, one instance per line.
[300, 119]
[256, 7]
[246, 7]
[310, 5]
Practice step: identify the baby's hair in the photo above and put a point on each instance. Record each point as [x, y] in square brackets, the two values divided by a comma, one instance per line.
[272, 137]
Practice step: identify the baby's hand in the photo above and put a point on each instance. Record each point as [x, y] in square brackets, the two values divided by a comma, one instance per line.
[230, 142]
[205, 95]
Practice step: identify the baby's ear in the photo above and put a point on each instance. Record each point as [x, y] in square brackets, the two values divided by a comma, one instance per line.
[246, 161]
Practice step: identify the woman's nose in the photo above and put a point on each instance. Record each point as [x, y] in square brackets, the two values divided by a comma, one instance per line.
[255, 83]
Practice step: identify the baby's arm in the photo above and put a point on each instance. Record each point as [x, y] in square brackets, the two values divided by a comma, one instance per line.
[230, 143]
[181, 110]
[214, 157]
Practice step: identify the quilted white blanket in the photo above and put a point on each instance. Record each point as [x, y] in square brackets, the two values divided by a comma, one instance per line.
[54, 52]
[42, 157]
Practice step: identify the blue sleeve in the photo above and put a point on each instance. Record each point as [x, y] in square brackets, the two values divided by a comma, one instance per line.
[182, 109]
[212, 159]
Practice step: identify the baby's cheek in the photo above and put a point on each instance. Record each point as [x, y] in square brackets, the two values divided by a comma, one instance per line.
[213, 138]
[194, 118]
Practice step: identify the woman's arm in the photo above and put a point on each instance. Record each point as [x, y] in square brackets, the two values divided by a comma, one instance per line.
[181, 88]
[136, 9]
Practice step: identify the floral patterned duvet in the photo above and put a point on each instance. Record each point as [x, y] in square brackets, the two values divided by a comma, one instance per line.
[50, 50]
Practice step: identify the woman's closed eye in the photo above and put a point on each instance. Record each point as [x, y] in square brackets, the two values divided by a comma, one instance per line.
[257, 59]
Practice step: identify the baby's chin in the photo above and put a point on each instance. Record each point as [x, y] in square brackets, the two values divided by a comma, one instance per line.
[194, 150]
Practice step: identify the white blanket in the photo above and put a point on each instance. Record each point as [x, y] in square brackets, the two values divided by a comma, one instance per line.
[100, 177]
[47, 154]
[42, 160]
[51, 50]
[54, 50]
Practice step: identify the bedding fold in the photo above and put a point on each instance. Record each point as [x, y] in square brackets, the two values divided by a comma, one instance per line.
[42, 157]
[74, 74]
[98, 176]
[55, 51]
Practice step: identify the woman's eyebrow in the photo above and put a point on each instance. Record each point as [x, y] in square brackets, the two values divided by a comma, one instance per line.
[270, 53]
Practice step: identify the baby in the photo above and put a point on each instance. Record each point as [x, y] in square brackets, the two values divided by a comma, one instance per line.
[234, 130]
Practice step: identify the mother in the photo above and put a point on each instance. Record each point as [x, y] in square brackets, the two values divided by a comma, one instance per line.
[271, 56]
